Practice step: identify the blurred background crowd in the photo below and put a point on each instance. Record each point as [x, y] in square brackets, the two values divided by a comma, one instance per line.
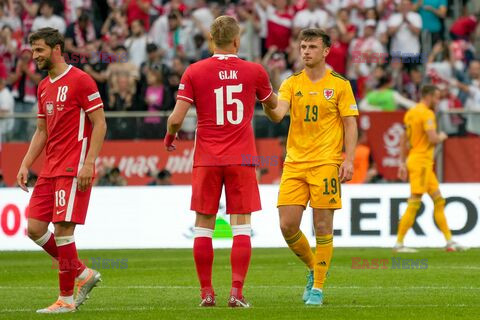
[137, 50]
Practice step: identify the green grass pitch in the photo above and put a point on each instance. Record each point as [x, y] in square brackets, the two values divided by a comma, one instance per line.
[162, 284]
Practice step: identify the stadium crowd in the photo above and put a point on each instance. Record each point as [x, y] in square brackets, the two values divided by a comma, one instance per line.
[137, 50]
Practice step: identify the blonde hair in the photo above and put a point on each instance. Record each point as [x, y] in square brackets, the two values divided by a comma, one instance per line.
[224, 30]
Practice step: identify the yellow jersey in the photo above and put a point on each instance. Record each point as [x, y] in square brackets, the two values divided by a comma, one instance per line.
[316, 130]
[417, 121]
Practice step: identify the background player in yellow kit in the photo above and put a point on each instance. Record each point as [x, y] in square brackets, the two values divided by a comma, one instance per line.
[322, 111]
[419, 142]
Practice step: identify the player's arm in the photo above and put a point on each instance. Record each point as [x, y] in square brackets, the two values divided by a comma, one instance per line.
[283, 102]
[347, 107]
[402, 166]
[85, 176]
[276, 115]
[351, 135]
[434, 137]
[175, 121]
[37, 144]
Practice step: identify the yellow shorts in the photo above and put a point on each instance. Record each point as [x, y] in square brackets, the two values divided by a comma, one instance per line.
[319, 185]
[422, 179]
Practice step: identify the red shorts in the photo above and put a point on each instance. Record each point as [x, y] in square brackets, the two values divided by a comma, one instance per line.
[57, 200]
[241, 189]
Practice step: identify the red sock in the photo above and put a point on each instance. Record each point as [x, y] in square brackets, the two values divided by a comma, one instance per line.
[68, 266]
[240, 260]
[50, 247]
[203, 256]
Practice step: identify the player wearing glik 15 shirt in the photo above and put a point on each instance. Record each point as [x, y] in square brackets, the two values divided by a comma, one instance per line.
[71, 128]
[223, 89]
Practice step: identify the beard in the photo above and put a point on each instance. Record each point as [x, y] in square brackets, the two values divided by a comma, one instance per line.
[46, 64]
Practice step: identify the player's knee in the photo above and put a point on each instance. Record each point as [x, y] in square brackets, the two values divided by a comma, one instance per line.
[439, 202]
[323, 228]
[35, 232]
[288, 229]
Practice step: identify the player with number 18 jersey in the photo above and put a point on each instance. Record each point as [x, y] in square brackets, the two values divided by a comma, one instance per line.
[64, 103]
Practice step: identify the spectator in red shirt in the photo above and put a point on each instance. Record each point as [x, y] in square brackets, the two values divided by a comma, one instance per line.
[337, 58]
[464, 27]
[138, 10]
[279, 23]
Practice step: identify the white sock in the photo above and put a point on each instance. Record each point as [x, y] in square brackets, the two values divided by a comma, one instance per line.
[68, 299]
[83, 275]
[242, 229]
[318, 289]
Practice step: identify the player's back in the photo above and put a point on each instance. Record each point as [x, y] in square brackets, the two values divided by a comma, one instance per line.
[418, 120]
[223, 89]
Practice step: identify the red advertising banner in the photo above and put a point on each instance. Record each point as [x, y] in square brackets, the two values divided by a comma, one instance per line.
[137, 159]
[383, 131]
[461, 160]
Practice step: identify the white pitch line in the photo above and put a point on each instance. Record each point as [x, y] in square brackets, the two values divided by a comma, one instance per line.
[339, 306]
[258, 287]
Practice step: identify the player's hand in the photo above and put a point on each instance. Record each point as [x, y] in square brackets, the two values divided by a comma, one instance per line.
[168, 141]
[22, 178]
[85, 177]
[346, 171]
[402, 172]
[443, 136]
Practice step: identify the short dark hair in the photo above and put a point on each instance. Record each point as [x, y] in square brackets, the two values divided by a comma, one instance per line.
[427, 90]
[51, 37]
[151, 47]
[120, 47]
[314, 33]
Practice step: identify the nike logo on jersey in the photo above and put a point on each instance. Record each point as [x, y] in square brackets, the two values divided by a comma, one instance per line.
[60, 212]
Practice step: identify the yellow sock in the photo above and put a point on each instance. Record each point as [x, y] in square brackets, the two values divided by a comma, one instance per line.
[440, 219]
[323, 255]
[300, 246]
[408, 218]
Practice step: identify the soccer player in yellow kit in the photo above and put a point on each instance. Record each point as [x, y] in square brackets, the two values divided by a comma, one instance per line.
[323, 115]
[418, 142]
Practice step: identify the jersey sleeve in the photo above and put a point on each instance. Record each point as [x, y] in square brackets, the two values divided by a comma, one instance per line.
[263, 89]
[346, 102]
[41, 109]
[185, 88]
[428, 121]
[285, 91]
[88, 95]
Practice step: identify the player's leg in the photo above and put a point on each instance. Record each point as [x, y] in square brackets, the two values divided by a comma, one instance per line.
[325, 197]
[71, 206]
[323, 223]
[407, 220]
[439, 213]
[293, 197]
[203, 256]
[243, 197]
[40, 211]
[207, 185]
[67, 261]
[240, 257]
[418, 186]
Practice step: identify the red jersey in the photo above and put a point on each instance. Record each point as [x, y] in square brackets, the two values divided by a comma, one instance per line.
[64, 102]
[223, 89]
[464, 26]
[279, 26]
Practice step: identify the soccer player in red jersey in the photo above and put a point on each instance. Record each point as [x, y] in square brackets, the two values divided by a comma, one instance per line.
[223, 89]
[71, 127]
